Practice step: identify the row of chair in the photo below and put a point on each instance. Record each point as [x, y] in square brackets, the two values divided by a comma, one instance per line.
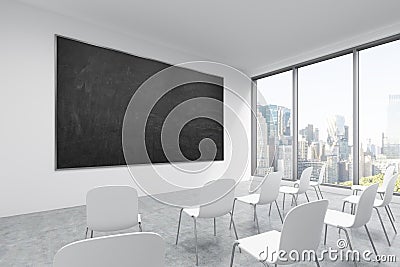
[111, 208]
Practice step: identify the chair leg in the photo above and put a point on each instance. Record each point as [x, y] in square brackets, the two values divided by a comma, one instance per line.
[316, 192]
[316, 261]
[390, 210]
[215, 227]
[233, 252]
[283, 202]
[326, 233]
[256, 218]
[233, 209]
[234, 226]
[270, 206]
[91, 234]
[279, 212]
[383, 226]
[347, 237]
[308, 200]
[195, 240]
[319, 188]
[295, 199]
[87, 229]
[370, 239]
[391, 221]
[179, 226]
[344, 205]
[254, 213]
[140, 227]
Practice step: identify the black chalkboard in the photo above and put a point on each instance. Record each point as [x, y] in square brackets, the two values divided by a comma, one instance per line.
[93, 88]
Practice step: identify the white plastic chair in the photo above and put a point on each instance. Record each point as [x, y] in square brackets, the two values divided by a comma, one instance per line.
[124, 250]
[316, 184]
[362, 216]
[302, 229]
[379, 203]
[269, 192]
[304, 184]
[381, 190]
[222, 206]
[257, 181]
[112, 208]
[388, 174]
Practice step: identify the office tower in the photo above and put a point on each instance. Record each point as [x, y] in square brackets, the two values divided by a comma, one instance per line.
[316, 135]
[262, 144]
[302, 147]
[283, 123]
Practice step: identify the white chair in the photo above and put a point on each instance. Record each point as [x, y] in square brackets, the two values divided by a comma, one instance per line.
[124, 250]
[224, 188]
[316, 184]
[388, 174]
[381, 190]
[379, 203]
[304, 183]
[112, 208]
[269, 192]
[344, 221]
[257, 181]
[302, 230]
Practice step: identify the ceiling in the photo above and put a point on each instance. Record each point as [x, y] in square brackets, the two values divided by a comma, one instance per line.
[248, 35]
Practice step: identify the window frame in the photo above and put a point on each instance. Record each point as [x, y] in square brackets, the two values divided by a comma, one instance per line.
[294, 68]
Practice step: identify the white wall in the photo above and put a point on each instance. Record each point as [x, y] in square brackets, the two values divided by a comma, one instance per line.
[29, 182]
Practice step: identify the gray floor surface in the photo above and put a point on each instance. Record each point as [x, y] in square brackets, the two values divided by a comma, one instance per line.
[33, 239]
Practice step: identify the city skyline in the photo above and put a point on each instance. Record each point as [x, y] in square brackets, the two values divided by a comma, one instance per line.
[378, 79]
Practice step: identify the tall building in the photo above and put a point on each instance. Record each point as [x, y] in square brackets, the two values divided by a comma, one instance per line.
[262, 145]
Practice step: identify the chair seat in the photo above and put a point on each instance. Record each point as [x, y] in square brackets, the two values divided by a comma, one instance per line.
[354, 200]
[312, 183]
[192, 212]
[362, 188]
[250, 199]
[338, 218]
[256, 244]
[289, 189]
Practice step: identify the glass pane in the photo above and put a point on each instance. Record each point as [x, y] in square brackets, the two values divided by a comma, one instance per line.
[379, 112]
[274, 124]
[325, 114]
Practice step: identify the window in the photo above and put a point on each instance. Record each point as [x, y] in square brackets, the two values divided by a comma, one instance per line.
[324, 104]
[379, 111]
[325, 116]
[274, 124]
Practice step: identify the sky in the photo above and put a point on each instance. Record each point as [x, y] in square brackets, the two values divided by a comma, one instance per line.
[326, 89]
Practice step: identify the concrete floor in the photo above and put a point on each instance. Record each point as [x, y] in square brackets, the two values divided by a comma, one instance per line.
[33, 239]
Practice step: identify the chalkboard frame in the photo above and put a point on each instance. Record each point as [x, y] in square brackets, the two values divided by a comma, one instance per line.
[56, 36]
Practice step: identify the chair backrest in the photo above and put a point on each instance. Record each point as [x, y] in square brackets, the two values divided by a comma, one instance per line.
[305, 180]
[388, 174]
[322, 174]
[133, 249]
[389, 188]
[257, 181]
[302, 227]
[222, 193]
[270, 188]
[365, 205]
[111, 208]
